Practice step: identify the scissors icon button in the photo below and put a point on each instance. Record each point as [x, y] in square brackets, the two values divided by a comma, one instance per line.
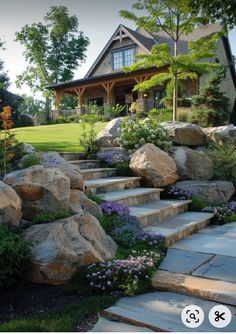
[220, 316]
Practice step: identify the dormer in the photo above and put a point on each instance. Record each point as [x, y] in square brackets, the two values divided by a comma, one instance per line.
[120, 51]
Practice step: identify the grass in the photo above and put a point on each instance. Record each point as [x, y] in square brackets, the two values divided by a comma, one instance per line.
[56, 137]
[61, 319]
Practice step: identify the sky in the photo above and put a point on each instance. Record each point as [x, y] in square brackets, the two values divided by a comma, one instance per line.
[98, 19]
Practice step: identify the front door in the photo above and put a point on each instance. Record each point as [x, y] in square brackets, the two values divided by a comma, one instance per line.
[158, 96]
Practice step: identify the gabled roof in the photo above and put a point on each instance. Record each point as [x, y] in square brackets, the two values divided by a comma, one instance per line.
[142, 41]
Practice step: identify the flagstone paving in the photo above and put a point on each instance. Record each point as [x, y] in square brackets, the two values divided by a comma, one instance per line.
[199, 269]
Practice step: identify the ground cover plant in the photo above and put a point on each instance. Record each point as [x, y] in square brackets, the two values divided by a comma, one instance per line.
[56, 137]
[49, 217]
[115, 159]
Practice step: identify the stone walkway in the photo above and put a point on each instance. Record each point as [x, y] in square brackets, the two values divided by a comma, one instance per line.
[199, 269]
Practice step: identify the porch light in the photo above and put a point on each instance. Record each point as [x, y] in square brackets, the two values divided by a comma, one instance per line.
[145, 95]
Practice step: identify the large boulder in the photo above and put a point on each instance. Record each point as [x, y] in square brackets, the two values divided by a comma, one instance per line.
[221, 134]
[213, 192]
[54, 160]
[27, 148]
[182, 133]
[79, 202]
[192, 164]
[40, 189]
[59, 248]
[108, 136]
[155, 166]
[10, 206]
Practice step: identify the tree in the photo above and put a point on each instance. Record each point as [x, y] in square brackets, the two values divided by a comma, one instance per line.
[53, 49]
[223, 11]
[176, 19]
[210, 107]
[31, 106]
[4, 79]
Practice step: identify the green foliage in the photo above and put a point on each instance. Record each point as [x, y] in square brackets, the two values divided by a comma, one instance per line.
[161, 115]
[183, 116]
[62, 319]
[31, 106]
[175, 18]
[88, 122]
[49, 217]
[197, 204]
[96, 198]
[31, 160]
[135, 133]
[14, 256]
[230, 218]
[224, 160]
[116, 110]
[122, 168]
[53, 49]
[210, 107]
[106, 222]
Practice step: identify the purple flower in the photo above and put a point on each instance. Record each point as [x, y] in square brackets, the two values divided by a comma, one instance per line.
[110, 208]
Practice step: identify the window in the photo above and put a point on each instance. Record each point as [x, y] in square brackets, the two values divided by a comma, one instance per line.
[123, 58]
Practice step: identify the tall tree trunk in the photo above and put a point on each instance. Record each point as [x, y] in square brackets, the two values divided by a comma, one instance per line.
[175, 90]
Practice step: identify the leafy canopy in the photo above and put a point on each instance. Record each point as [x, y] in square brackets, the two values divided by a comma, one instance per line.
[53, 49]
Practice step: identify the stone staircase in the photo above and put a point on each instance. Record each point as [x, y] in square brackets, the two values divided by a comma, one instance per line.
[174, 281]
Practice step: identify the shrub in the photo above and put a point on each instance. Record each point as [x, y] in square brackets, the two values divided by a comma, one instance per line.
[183, 116]
[106, 222]
[30, 160]
[224, 160]
[14, 256]
[197, 204]
[88, 136]
[161, 115]
[135, 133]
[222, 213]
[122, 168]
[122, 277]
[49, 217]
[206, 117]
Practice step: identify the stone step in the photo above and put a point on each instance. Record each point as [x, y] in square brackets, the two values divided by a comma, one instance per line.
[132, 197]
[110, 184]
[209, 289]
[97, 173]
[161, 312]
[105, 325]
[181, 226]
[86, 164]
[72, 155]
[156, 211]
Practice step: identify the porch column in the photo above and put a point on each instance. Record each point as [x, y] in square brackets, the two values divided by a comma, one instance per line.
[80, 97]
[108, 88]
[58, 99]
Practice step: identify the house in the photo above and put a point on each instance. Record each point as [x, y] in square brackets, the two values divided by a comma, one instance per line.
[107, 84]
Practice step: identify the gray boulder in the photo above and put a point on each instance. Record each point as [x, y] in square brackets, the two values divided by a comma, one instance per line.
[40, 189]
[213, 192]
[221, 134]
[10, 206]
[155, 166]
[108, 136]
[192, 164]
[59, 248]
[185, 133]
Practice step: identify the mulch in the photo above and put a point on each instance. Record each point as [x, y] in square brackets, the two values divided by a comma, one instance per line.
[27, 299]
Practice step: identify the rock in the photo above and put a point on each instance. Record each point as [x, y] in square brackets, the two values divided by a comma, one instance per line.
[54, 160]
[108, 136]
[40, 189]
[10, 206]
[59, 248]
[213, 192]
[221, 134]
[192, 164]
[155, 166]
[27, 148]
[79, 202]
[185, 133]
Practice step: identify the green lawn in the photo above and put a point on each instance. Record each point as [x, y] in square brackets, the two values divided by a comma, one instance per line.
[57, 137]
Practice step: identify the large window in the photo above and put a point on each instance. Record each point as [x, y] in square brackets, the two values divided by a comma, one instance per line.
[123, 58]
